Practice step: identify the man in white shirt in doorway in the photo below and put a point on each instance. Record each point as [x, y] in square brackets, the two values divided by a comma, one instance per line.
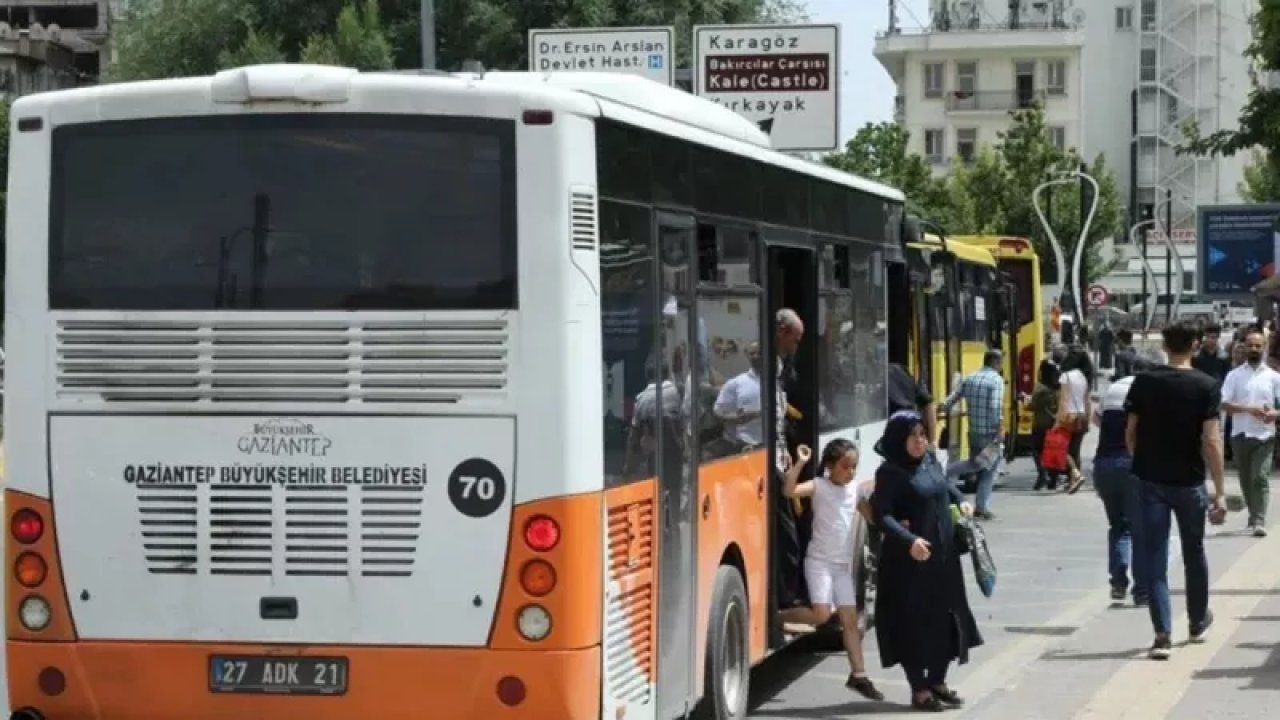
[1251, 395]
[738, 404]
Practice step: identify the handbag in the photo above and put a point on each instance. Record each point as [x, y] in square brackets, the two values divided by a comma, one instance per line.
[961, 543]
[984, 566]
[1055, 454]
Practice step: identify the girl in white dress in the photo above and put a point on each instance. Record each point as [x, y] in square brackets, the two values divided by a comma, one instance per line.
[831, 561]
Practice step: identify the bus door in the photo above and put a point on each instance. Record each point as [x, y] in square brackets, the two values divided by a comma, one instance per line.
[791, 281]
[677, 457]
[946, 316]
[1003, 330]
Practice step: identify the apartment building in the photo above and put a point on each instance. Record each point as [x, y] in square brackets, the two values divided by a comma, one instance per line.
[81, 26]
[1119, 78]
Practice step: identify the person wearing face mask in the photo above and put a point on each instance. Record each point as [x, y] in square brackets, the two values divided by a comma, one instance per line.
[1251, 395]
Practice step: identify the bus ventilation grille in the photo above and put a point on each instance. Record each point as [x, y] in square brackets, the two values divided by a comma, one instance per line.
[582, 215]
[630, 619]
[294, 359]
[296, 530]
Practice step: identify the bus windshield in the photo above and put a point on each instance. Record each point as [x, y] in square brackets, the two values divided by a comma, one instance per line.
[283, 212]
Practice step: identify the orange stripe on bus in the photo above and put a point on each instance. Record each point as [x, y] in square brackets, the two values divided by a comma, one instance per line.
[574, 605]
[170, 681]
[61, 627]
[734, 492]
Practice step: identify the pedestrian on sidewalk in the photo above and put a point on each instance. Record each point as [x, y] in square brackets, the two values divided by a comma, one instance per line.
[1044, 415]
[1120, 492]
[1251, 394]
[923, 620]
[983, 395]
[1074, 402]
[1174, 435]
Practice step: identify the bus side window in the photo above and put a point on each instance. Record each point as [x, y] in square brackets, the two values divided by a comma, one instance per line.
[729, 306]
[870, 338]
[837, 341]
[633, 374]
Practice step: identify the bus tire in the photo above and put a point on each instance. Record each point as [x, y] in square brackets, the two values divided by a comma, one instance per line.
[728, 657]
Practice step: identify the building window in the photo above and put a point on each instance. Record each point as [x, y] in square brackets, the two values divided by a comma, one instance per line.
[1124, 17]
[934, 79]
[967, 143]
[1024, 82]
[1171, 110]
[1056, 77]
[1148, 15]
[966, 77]
[1147, 65]
[1058, 137]
[934, 145]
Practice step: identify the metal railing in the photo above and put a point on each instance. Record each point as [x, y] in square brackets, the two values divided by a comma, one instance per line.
[994, 100]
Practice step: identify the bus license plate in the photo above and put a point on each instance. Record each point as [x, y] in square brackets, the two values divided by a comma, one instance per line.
[278, 675]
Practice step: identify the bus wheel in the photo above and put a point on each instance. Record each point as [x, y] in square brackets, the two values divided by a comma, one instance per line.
[728, 671]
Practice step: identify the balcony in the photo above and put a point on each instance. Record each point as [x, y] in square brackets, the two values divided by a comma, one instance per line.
[994, 100]
[893, 47]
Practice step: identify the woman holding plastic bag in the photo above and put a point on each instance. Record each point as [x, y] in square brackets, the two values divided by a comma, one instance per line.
[923, 620]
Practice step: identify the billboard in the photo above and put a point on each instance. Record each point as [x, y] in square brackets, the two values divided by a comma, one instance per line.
[645, 51]
[784, 78]
[1237, 248]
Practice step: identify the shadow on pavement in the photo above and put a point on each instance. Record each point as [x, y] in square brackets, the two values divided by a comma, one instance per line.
[1265, 676]
[853, 707]
[1043, 630]
[778, 672]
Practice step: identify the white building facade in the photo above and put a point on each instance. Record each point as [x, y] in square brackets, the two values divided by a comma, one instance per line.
[1120, 78]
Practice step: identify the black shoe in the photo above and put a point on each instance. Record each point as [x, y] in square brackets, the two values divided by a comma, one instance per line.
[864, 687]
[1161, 649]
[1041, 483]
[1201, 629]
[929, 704]
[947, 696]
[1118, 592]
[1141, 601]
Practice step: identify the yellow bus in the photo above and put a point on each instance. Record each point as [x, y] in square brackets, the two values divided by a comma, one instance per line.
[1019, 267]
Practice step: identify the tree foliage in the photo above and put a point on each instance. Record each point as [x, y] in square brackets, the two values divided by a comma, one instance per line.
[171, 38]
[991, 193]
[1261, 181]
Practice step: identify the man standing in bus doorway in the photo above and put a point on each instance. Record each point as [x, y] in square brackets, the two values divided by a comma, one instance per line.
[983, 395]
[788, 332]
[1251, 396]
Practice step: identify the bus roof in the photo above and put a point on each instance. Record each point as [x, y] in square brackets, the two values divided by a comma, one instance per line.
[629, 99]
[963, 251]
[1004, 247]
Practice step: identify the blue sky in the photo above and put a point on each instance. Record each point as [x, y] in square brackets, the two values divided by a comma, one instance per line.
[867, 92]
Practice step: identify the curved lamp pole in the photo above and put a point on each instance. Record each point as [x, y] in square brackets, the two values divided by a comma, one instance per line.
[1177, 260]
[1149, 305]
[1068, 178]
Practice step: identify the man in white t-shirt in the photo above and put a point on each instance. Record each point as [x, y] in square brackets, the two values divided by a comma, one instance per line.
[738, 405]
[1251, 394]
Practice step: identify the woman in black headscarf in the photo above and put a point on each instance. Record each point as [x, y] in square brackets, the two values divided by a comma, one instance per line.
[923, 620]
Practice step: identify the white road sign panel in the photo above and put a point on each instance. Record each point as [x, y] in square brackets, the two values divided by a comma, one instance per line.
[645, 51]
[785, 78]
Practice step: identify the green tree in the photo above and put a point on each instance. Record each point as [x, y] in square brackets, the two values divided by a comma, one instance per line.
[1261, 181]
[878, 151]
[172, 38]
[358, 41]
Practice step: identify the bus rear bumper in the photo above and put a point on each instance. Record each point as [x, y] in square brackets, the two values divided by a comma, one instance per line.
[170, 681]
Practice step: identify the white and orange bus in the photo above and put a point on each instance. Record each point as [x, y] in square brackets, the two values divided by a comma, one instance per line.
[305, 412]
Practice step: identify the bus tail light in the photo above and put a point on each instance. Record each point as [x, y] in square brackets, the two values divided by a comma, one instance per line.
[1026, 373]
[30, 570]
[35, 593]
[534, 622]
[538, 117]
[538, 577]
[27, 526]
[541, 533]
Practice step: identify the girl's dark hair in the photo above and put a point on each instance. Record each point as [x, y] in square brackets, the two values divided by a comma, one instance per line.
[835, 450]
[1049, 374]
[1078, 359]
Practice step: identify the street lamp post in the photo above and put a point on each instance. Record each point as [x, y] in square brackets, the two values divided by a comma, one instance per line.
[1067, 179]
[1149, 302]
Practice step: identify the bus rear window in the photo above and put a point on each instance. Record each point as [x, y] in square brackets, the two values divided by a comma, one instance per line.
[284, 212]
[1020, 272]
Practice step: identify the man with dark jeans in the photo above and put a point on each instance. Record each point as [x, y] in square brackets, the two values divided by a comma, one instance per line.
[1173, 435]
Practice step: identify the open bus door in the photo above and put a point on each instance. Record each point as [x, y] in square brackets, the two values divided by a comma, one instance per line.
[1004, 335]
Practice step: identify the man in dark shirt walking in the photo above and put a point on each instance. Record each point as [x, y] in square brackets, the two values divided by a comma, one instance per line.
[1210, 360]
[1125, 354]
[1174, 437]
[907, 393]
